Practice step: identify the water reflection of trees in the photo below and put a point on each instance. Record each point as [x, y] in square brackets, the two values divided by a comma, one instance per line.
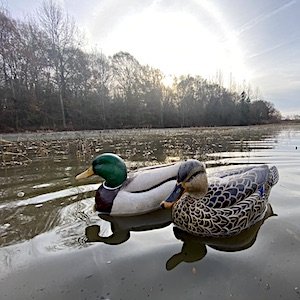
[72, 151]
[144, 146]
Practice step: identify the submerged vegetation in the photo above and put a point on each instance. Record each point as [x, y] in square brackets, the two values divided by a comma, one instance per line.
[47, 81]
[142, 147]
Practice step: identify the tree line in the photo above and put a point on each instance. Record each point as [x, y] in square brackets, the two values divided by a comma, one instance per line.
[47, 81]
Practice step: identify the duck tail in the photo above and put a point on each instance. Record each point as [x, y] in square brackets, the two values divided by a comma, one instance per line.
[273, 176]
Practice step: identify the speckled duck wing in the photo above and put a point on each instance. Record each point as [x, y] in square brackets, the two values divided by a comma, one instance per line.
[236, 186]
[230, 172]
[198, 219]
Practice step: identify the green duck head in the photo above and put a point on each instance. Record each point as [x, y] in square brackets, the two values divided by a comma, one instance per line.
[110, 167]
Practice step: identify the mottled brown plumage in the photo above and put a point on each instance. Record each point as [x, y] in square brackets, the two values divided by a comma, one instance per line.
[234, 200]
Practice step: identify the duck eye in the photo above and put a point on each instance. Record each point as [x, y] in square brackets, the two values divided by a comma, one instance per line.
[195, 175]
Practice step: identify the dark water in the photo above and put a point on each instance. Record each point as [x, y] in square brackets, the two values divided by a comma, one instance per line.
[46, 218]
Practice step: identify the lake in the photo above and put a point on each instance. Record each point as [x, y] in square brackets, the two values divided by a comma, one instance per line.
[47, 220]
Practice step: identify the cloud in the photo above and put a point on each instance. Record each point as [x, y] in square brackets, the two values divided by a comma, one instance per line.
[252, 23]
[274, 47]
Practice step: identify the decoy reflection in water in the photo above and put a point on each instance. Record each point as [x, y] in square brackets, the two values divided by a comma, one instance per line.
[121, 226]
[194, 247]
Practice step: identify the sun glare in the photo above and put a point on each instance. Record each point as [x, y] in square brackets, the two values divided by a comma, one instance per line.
[178, 43]
[168, 80]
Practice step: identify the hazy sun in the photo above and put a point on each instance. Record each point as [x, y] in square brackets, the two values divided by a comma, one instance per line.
[177, 43]
[168, 80]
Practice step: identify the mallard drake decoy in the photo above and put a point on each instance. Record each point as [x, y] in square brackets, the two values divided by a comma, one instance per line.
[138, 193]
[224, 205]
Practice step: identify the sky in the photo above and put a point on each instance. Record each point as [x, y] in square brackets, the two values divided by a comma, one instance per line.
[249, 41]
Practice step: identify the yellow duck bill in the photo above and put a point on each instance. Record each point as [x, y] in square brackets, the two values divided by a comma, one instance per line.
[87, 173]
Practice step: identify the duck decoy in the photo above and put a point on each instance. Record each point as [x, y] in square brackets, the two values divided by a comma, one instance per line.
[223, 205]
[138, 192]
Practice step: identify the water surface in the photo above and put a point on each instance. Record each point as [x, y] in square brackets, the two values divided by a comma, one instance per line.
[47, 218]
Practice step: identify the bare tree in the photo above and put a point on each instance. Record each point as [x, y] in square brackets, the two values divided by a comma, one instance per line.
[126, 83]
[100, 79]
[46, 79]
[60, 31]
[10, 64]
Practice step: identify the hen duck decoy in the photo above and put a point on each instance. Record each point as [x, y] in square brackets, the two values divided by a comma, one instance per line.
[123, 194]
[224, 205]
